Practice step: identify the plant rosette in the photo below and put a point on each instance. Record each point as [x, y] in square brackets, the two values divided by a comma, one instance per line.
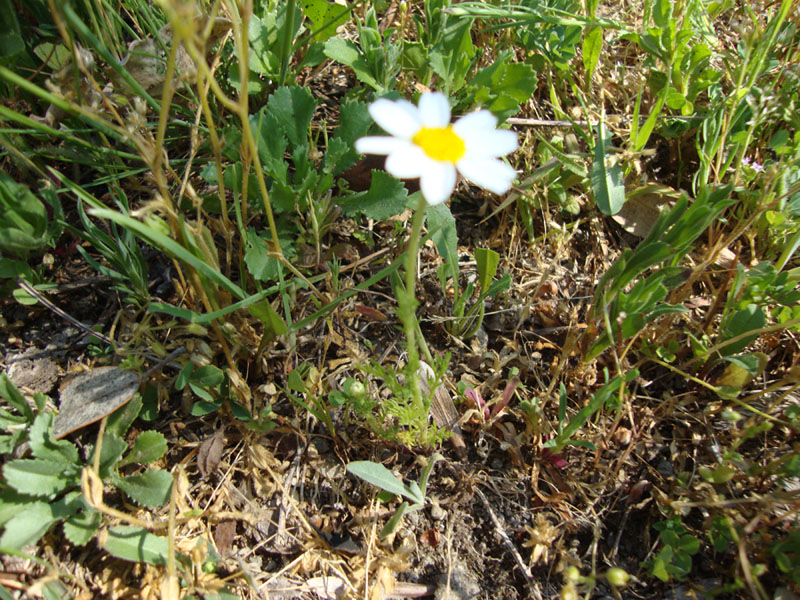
[424, 144]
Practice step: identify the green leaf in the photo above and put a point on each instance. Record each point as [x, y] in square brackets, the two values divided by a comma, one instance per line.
[184, 376]
[27, 526]
[487, 261]
[442, 223]
[394, 521]
[750, 318]
[10, 393]
[383, 478]
[292, 109]
[385, 198]
[148, 447]
[354, 122]
[38, 477]
[23, 218]
[325, 17]
[151, 488]
[80, 528]
[171, 248]
[112, 450]
[208, 376]
[347, 53]
[271, 320]
[607, 180]
[259, 263]
[135, 544]
[44, 446]
[660, 562]
[121, 419]
[592, 45]
[503, 86]
[203, 407]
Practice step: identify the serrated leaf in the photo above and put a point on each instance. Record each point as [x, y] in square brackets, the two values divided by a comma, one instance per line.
[354, 122]
[148, 447]
[135, 544]
[38, 477]
[45, 446]
[150, 488]
[27, 526]
[271, 145]
[607, 180]
[80, 528]
[292, 109]
[259, 264]
[385, 198]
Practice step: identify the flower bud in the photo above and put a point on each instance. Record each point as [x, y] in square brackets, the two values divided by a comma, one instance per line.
[617, 577]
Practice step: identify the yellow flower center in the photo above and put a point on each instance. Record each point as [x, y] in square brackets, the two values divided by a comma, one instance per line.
[440, 143]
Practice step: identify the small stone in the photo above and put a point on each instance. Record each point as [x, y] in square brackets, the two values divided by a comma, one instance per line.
[322, 445]
[32, 369]
[665, 468]
[437, 512]
[460, 585]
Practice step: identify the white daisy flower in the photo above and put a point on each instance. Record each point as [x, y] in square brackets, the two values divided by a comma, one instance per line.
[424, 144]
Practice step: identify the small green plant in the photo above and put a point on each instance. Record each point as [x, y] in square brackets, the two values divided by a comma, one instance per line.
[44, 489]
[467, 318]
[126, 265]
[674, 559]
[786, 553]
[624, 311]
[24, 223]
[609, 395]
[375, 60]
[383, 478]
[213, 386]
[402, 416]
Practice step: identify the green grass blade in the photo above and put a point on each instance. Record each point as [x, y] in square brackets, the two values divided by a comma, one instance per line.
[171, 248]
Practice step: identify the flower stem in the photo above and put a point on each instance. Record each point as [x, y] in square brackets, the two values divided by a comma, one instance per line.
[407, 300]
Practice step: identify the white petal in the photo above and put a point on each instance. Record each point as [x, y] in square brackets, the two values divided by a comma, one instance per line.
[481, 138]
[489, 173]
[379, 144]
[475, 123]
[399, 118]
[406, 161]
[492, 144]
[434, 110]
[437, 181]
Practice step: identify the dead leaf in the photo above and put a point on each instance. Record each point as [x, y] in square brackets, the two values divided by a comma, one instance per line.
[442, 408]
[327, 588]
[210, 453]
[93, 395]
[370, 313]
[643, 207]
[224, 534]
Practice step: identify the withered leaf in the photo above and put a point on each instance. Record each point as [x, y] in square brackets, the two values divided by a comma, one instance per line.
[210, 453]
[93, 395]
[442, 408]
[224, 534]
[643, 207]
